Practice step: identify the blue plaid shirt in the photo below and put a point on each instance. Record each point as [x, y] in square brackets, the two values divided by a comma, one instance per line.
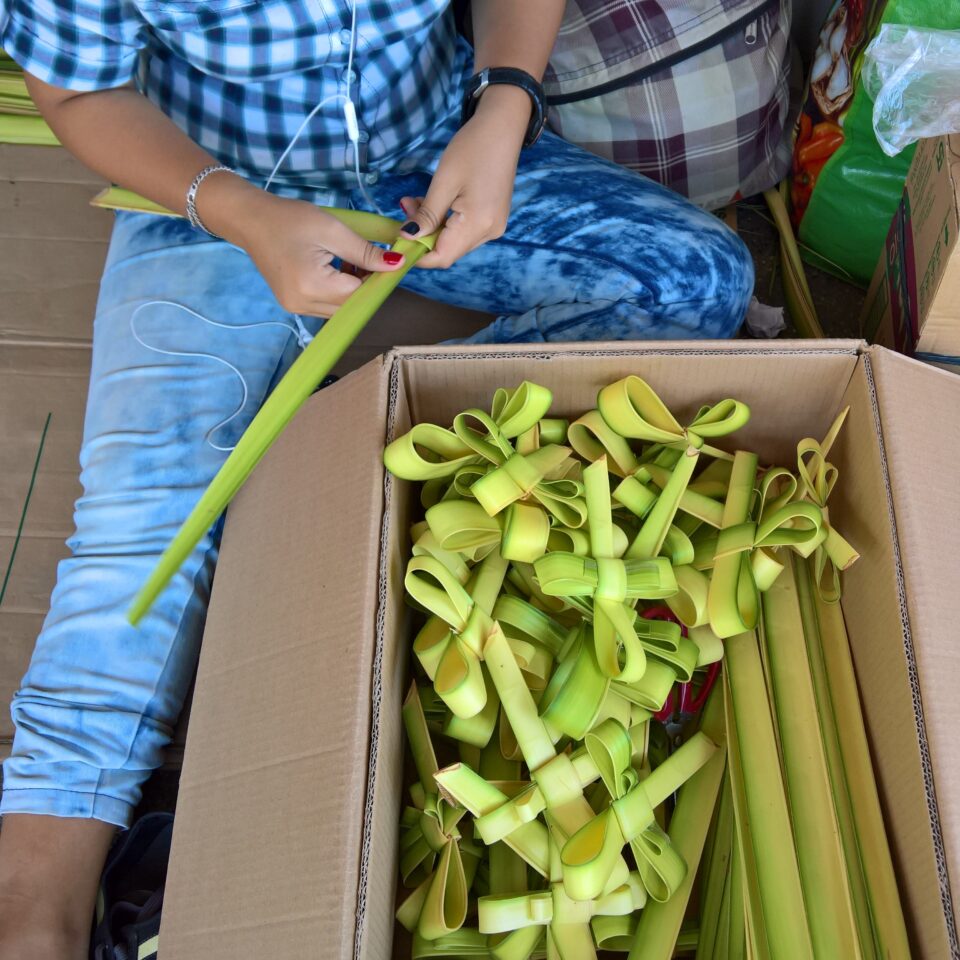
[239, 76]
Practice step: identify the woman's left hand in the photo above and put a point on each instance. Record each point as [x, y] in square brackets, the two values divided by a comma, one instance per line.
[471, 191]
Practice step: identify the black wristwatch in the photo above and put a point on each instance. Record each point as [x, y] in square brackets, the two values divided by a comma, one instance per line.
[517, 78]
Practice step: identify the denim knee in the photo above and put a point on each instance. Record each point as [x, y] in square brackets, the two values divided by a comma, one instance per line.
[732, 264]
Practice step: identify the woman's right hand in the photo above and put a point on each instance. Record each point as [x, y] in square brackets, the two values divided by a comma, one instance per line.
[292, 242]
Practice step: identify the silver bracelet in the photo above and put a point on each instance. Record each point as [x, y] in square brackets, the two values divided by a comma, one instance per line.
[191, 205]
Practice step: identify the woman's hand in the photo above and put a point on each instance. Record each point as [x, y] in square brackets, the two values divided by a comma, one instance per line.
[292, 242]
[472, 189]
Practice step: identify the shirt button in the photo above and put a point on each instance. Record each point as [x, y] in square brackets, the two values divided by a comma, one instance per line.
[350, 76]
[345, 37]
[372, 177]
[364, 137]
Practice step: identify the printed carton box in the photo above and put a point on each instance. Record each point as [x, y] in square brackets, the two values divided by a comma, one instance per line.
[913, 304]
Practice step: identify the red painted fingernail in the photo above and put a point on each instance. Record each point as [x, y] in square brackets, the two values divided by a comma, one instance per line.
[392, 257]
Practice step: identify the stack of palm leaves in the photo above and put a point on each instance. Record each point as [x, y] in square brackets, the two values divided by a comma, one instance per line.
[22, 124]
[20, 120]
[551, 815]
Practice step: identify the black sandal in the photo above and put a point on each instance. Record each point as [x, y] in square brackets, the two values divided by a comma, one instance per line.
[131, 891]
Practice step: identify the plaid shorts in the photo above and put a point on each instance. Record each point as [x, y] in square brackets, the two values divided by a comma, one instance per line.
[696, 96]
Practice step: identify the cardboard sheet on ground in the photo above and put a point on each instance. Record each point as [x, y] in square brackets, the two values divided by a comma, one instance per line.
[52, 248]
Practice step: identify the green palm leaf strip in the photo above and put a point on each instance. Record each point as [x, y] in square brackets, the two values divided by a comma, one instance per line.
[715, 876]
[303, 377]
[20, 120]
[660, 922]
[829, 732]
[820, 855]
[119, 198]
[26, 131]
[777, 920]
[796, 289]
[869, 863]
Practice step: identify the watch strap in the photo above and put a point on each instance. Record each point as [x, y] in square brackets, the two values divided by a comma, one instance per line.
[511, 76]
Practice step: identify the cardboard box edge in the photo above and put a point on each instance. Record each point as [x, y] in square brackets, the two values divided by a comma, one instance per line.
[947, 900]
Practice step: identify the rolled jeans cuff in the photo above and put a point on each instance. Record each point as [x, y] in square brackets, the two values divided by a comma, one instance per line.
[65, 803]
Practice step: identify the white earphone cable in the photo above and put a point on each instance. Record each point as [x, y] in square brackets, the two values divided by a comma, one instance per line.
[296, 136]
[299, 331]
[349, 117]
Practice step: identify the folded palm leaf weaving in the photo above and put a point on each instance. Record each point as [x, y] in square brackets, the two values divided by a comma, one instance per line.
[583, 786]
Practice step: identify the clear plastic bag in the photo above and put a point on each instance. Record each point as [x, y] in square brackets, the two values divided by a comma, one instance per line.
[912, 74]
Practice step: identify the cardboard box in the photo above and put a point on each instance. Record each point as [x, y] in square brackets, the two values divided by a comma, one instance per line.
[52, 249]
[913, 304]
[287, 829]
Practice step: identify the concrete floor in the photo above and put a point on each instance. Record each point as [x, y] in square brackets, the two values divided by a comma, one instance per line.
[838, 303]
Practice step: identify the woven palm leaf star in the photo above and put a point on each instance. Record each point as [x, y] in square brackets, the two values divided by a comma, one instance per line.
[431, 858]
[449, 645]
[634, 410]
[659, 483]
[452, 461]
[569, 933]
[540, 475]
[660, 867]
[594, 850]
[743, 565]
[832, 552]
[566, 808]
[523, 944]
[608, 583]
[522, 530]
[430, 452]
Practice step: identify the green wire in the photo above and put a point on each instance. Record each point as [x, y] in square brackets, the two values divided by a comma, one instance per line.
[26, 504]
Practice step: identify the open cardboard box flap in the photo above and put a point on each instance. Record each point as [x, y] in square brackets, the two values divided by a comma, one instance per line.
[286, 831]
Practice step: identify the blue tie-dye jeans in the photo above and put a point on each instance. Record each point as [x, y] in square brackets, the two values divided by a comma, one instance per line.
[592, 252]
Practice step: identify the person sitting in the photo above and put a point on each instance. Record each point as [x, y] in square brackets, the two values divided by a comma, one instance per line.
[261, 114]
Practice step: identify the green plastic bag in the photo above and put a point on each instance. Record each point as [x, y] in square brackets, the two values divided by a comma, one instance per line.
[844, 190]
